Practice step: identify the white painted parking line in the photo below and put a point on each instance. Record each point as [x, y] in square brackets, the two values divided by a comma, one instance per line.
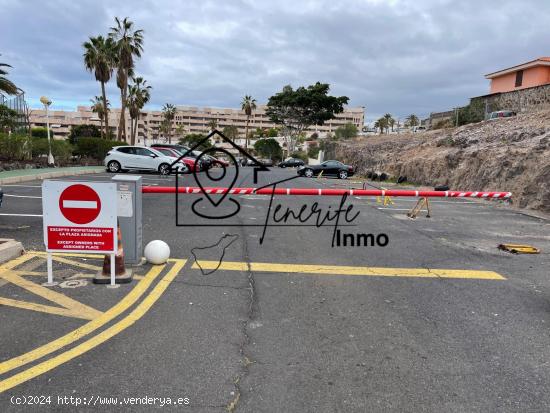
[23, 196]
[23, 186]
[21, 215]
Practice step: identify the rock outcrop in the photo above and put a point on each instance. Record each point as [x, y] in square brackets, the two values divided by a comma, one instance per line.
[511, 154]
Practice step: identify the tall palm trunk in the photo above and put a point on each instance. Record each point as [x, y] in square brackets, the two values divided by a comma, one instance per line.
[123, 95]
[132, 137]
[134, 123]
[101, 126]
[106, 110]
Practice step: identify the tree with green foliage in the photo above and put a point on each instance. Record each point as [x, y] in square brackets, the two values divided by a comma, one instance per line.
[99, 58]
[139, 93]
[212, 124]
[412, 120]
[192, 139]
[471, 113]
[313, 151]
[231, 131]
[390, 122]
[8, 119]
[99, 107]
[248, 105]
[6, 85]
[297, 110]
[382, 125]
[272, 133]
[128, 46]
[169, 113]
[83, 131]
[347, 131]
[269, 148]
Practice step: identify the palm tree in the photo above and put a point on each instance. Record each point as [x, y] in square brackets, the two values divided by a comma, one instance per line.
[248, 105]
[138, 96]
[212, 124]
[412, 120]
[99, 107]
[390, 121]
[382, 124]
[169, 112]
[164, 129]
[99, 58]
[6, 86]
[129, 44]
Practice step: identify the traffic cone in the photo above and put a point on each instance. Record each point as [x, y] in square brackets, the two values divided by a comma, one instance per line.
[122, 275]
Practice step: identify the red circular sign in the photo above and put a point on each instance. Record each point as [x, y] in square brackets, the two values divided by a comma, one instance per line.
[80, 204]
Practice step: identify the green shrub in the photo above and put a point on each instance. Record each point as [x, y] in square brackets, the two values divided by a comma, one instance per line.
[14, 147]
[300, 155]
[313, 152]
[95, 147]
[83, 131]
[61, 150]
[41, 133]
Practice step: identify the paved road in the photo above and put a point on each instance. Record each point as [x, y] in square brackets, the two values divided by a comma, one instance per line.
[296, 325]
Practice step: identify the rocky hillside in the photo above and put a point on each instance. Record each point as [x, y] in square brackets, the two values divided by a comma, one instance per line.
[511, 154]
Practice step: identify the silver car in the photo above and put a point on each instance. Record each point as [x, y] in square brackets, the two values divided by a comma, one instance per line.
[140, 158]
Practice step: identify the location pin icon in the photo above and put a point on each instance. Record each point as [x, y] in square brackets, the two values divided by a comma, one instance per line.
[208, 174]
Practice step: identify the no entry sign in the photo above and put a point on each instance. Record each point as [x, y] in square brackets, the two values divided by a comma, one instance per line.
[79, 216]
[80, 204]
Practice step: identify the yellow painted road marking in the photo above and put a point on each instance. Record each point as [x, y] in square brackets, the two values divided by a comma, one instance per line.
[345, 270]
[15, 262]
[76, 263]
[68, 254]
[98, 339]
[86, 329]
[69, 307]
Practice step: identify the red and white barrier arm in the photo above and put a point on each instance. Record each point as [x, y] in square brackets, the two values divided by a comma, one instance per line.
[325, 192]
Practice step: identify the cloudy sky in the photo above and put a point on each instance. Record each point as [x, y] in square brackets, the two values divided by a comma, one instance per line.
[391, 56]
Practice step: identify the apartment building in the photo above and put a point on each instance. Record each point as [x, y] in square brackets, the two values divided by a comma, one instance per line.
[187, 120]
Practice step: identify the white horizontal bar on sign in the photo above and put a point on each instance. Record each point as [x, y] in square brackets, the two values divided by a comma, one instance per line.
[80, 204]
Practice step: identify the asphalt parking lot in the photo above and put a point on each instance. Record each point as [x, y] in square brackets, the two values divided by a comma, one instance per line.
[437, 320]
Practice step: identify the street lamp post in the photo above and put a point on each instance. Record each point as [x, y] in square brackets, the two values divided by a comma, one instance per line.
[47, 102]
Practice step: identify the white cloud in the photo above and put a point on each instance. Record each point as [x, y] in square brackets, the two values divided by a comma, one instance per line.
[390, 56]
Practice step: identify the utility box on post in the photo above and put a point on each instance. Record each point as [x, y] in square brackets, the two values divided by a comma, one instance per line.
[129, 216]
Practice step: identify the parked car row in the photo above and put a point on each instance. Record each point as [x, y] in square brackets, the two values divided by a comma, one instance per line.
[161, 158]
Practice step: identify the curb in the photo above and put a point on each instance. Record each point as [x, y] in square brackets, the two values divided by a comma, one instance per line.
[47, 175]
[9, 249]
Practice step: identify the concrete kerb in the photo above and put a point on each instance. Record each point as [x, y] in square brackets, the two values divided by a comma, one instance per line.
[50, 174]
[9, 249]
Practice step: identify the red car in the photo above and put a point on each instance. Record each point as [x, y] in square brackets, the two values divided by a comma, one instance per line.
[173, 153]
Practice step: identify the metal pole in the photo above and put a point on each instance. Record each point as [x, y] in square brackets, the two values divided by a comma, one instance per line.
[113, 269]
[50, 156]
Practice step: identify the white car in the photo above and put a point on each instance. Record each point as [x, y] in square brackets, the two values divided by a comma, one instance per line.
[140, 158]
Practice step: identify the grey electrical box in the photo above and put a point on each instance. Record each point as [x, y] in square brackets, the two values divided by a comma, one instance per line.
[129, 216]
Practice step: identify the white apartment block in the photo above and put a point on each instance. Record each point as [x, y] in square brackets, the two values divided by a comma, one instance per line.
[187, 120]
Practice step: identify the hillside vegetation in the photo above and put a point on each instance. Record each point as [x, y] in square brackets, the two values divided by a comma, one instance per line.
[511, 154]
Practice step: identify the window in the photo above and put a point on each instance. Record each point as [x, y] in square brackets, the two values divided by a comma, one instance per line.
[126, 149]
[143, 151]
[519, 78]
